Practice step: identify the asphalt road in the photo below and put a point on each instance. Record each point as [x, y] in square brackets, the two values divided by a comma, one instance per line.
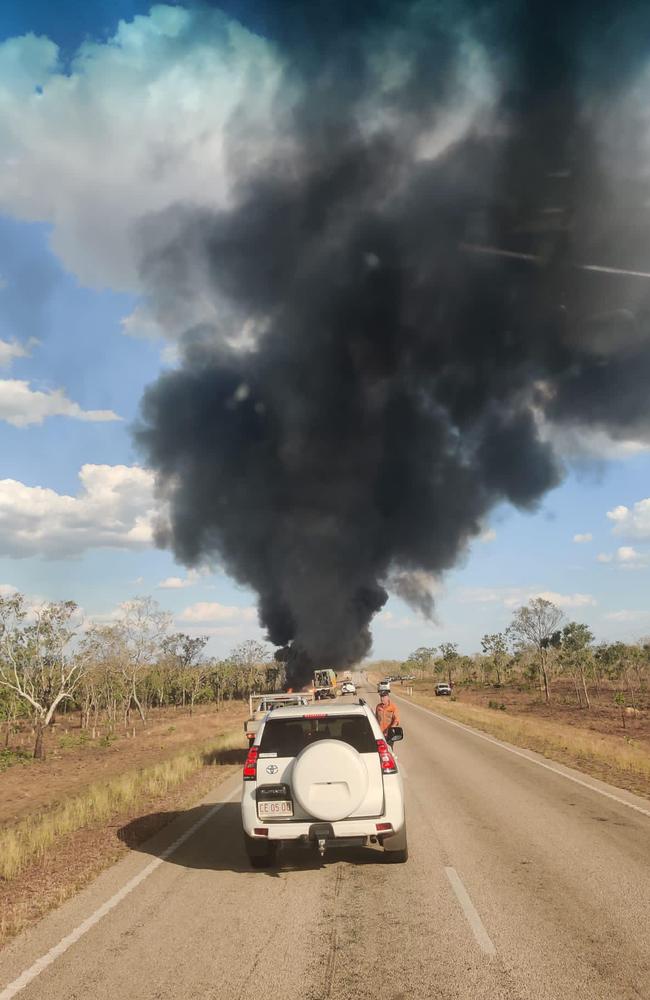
[521, 883]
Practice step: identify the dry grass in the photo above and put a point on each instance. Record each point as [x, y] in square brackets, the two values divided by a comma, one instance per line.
[47, 882]
[613, 757]
[32, 838]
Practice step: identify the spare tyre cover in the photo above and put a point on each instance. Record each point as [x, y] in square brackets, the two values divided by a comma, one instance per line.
[329, 780]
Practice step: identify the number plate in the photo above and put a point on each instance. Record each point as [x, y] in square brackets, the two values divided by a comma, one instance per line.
[275, 810]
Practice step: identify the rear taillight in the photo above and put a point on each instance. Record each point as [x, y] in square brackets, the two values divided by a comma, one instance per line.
[386, 759]
[250, 767]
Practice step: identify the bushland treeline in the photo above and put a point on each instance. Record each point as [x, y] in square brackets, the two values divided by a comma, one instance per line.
[113, 670]
[539, 647]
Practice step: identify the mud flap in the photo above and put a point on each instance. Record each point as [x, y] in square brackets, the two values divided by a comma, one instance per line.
[398, 842]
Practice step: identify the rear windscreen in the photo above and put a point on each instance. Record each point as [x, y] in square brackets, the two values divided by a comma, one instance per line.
[287, 737]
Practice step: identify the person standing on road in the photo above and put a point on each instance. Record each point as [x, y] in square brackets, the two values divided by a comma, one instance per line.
[386, 712]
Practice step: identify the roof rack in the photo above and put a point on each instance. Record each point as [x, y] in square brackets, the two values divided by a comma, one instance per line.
[362, 701]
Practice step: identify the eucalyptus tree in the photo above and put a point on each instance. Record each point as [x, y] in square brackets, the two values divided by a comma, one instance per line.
[537, 624]
[143, 627]
[36, 662]
[495, 648]
[422, 659]
[449, 656]
[184, 654]
[576, 640]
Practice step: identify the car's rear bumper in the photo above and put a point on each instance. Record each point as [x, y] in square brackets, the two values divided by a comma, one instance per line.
[354, 827]
[358, 830]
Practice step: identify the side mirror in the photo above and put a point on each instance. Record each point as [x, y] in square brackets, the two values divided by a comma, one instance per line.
[395, 733]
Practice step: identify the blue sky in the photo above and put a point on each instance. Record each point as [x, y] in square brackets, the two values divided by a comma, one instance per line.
[86, 135]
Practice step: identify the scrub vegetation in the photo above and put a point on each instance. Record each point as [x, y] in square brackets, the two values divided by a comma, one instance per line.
[111, 677]
[545, 684]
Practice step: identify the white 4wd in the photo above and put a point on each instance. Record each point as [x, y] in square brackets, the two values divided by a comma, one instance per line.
[322, 775]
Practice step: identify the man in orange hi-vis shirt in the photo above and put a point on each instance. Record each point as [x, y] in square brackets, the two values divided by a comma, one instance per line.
[386, 712]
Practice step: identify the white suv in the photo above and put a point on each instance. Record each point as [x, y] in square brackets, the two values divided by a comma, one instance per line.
[322, 775]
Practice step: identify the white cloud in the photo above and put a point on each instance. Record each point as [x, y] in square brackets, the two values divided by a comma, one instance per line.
[21, 406]
[173, 583]
[142, 324]
[567, 600]
[626, 557]
[10, 349]
[212, 611]
[389, 620]
[180, 582]
[514, 597]
[627, 554]
[221, 630]
[489, 535]
[634, 522]
[580, 539]
[582, 443]
[7, 589]
[115, 508]
[170, 111]
[627, 615]
[136, 124]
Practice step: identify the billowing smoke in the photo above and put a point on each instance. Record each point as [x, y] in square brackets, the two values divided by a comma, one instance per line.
[394, 323]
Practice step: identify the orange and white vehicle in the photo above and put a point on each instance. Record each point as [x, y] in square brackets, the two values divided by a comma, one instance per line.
[322, 775]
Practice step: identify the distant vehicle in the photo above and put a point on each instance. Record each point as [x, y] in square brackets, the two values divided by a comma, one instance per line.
[322, 776]
[260, 704]
[383, 686]
[324, 684]
[347, 687]
[442, 689]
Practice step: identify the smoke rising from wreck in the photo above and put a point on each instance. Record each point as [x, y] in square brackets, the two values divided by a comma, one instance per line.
[371, 385]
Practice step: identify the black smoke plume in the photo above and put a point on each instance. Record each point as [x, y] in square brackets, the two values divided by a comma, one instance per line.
[422, 326]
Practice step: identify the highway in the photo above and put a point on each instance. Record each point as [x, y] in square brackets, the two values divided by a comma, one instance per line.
[521, 883]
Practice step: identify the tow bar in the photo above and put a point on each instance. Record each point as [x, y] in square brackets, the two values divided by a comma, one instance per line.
[320, 833]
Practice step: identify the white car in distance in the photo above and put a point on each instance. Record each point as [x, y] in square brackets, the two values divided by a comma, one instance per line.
[322, 776]
[348, 687]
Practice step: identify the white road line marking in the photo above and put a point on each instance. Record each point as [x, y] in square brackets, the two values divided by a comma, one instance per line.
[468, 908]
[531, 760]
[26, 977]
